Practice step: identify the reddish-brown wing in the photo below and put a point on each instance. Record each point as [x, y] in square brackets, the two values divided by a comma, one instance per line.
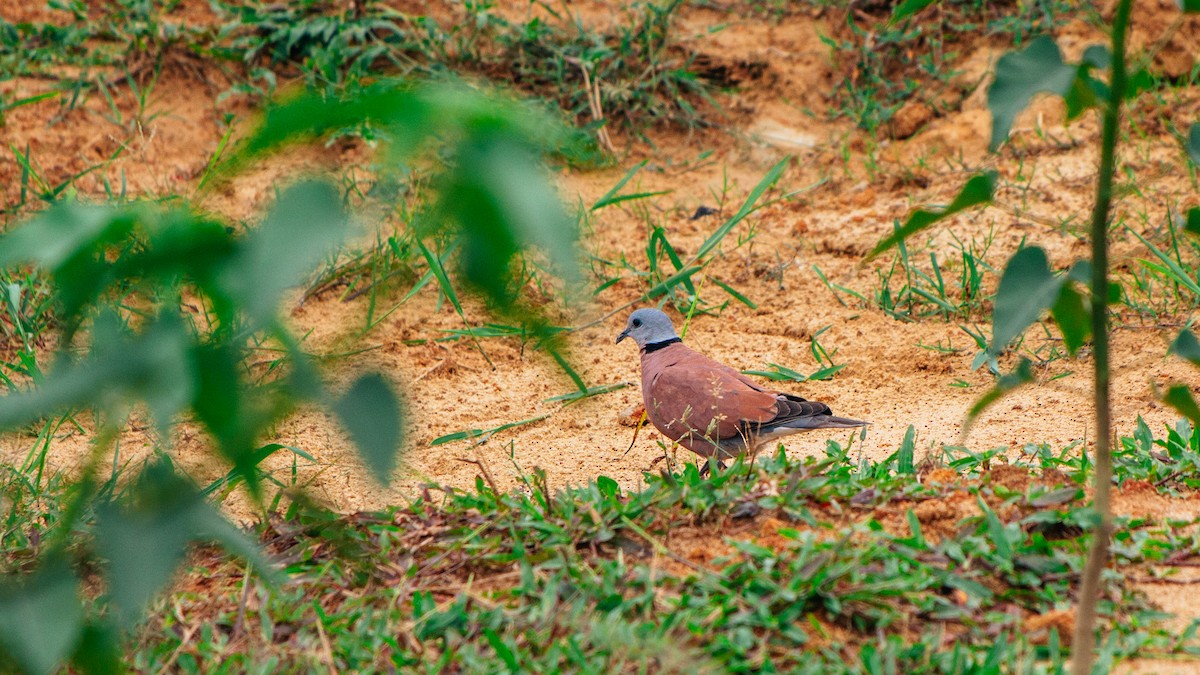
[685, 391]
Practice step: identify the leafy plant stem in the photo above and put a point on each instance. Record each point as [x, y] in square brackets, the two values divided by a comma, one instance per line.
[1083, 643]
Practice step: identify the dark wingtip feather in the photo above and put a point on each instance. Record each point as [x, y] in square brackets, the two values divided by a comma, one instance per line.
[833, 422]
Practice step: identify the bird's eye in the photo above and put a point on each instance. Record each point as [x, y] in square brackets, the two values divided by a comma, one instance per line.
[637, 323]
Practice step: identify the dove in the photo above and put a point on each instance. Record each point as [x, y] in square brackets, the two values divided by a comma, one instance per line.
[708, 407]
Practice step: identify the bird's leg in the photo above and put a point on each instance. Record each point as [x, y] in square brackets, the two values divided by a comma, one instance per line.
[750, 442]
[753, 458]
[637, 426]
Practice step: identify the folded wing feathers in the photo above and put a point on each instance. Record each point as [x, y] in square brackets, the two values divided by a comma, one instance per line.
[682, 385]
[798, 413]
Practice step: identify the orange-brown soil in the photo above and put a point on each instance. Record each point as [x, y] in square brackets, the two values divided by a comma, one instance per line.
[852, 189]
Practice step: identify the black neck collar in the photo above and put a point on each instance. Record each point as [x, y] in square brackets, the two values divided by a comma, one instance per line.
[655, 346]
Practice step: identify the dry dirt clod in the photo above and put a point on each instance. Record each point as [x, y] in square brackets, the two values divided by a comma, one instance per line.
[1037, 628]
[1162, 38]
[909, 119]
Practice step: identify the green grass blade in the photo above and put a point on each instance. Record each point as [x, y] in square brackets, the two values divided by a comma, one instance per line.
[747, 208]
[659, 235]
[978, 190]
[611, 197]
[1177, 273]
[736, 295]
[672, 281]
[1022, 374]
[826, 373]
[904, 456]
[836, 288]
[476, 433]
[562, 363]
[439, 271]
[571, 397]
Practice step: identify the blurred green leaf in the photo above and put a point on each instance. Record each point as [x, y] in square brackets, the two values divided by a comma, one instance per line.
[978, 190]
[1192, 223]
[208, 525]
[1080, 272]
[144, 539]
[908, 8]
[1180, 398]
[142, 550]
[122, 369]
[494, 192]
[1141, 81]
[1039, 68]
[502, 650]
[1022, 374]
[70, 241]
[306, 223]
[1193, 142]
[310, 115]
[1073, 318]
[1190, 5]
[996, 533]
[41, 618]
[1027, 288]
[60, 233]
[914, 526]
[219, 400]
[411, 115]
[1187, 346]
[99, 650]
[119, 250]
[370, 411]
[501, 201]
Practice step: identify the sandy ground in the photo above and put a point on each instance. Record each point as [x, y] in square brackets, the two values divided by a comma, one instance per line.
[889, 378]
[853, 189]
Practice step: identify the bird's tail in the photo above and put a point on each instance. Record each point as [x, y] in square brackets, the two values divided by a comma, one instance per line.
[833, 422]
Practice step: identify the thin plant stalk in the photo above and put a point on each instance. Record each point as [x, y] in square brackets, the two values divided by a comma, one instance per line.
[1084, 640]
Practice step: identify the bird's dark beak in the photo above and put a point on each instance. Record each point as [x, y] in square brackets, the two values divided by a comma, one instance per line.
[624, 334]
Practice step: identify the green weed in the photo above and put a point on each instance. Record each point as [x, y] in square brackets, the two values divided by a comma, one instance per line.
[594, 577]
[884, 62]
[909, 290]
[626, 76]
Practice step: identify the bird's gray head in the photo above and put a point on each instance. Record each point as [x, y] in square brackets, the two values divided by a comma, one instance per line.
[647, 326]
